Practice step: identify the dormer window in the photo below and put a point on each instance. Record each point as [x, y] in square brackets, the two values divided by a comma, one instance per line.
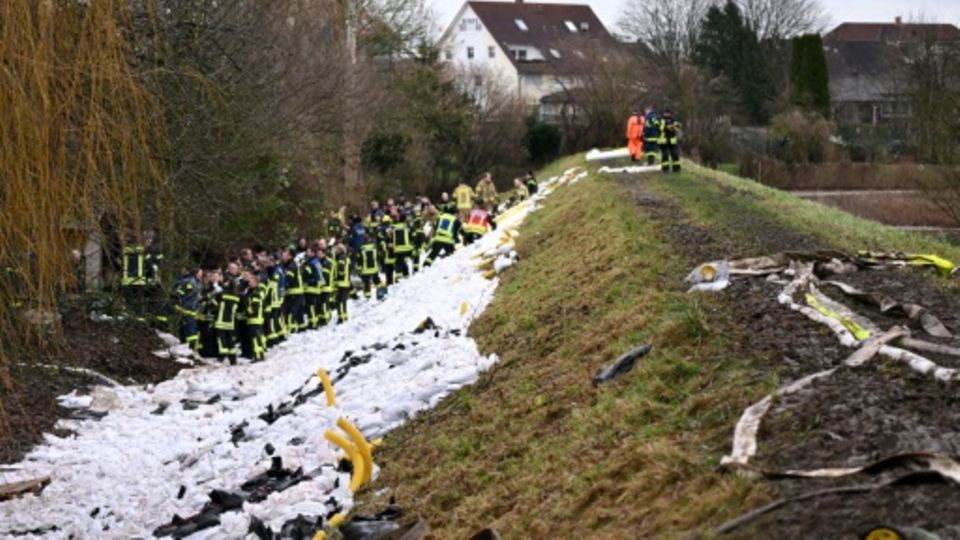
[584, 27]
[555, 53]
[521, 25]
[570, 26]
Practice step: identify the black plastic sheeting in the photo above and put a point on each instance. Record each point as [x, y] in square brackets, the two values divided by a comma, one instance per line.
[256, 489]
[622, 365]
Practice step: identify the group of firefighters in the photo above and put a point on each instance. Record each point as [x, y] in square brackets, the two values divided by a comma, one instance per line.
[648, 132]
[262, 297]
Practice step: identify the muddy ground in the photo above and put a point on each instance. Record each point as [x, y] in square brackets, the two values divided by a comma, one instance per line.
[850, 419]
[121, 350]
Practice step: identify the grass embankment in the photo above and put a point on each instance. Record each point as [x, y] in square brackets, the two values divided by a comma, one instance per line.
[534, 449]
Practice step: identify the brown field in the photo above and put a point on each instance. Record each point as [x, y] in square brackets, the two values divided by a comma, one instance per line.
[900, 208]
[837, 175]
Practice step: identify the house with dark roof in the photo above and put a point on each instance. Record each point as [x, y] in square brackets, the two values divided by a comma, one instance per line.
[866, 62]
[533, 49]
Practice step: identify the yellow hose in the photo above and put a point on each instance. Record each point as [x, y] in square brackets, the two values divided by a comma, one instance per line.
[363, 447]
[358, 464]
[327, 387]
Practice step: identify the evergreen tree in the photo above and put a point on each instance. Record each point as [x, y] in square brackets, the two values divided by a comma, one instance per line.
[729, 47]
[809, 78]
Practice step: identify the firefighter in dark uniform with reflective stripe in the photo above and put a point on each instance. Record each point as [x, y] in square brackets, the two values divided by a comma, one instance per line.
[402, 246]
[252, 343]
[312, 287]
[369, 266]
[446, 236]
[419, 237]
[327, 287]
[342, 282]
[293, 299]
[278, 323]
[669, 142]
[225, 325]
[207, 313]
[388, 259]
[188, 302]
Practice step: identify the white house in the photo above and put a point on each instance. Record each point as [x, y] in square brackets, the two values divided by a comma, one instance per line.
[531, 48]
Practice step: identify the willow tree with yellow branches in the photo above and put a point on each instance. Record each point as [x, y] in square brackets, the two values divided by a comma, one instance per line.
[78, 146]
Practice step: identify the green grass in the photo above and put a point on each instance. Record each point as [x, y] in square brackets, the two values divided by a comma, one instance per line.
[534, 448]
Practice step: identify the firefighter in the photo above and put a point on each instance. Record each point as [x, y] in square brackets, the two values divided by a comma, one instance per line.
[635, 127]
[487, 193]
[651, 133]
[133, 277]
[388, 259]
[343, 284]
[402, 246]
[327, 288]
[293, 301]
[463, 195]
[668, 142]
[478, 223]
[312, 287]
[207, 309]
[418, 235]
[188, 302]
[277, 325]
[445, 204]
[520, 190]
[369, 266]
[335, 224]
[446, 235]
[269, 289]
[226, 325]
[531, 182]
[252, 345]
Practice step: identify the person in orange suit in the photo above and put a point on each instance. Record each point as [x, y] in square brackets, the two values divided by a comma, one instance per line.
[635, 135]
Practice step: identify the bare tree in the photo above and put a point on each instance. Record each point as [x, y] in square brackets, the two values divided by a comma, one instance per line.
[782, 19]
[602, 85]
[668, 28]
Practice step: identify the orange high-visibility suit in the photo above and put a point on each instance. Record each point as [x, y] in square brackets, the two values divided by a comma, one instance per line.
[635, 136]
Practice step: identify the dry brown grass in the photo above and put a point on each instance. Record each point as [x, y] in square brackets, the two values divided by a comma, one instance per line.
[897, 208]
[77, 140]
[538, 452]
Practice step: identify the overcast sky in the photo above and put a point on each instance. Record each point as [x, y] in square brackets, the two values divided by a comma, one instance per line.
[945, 11]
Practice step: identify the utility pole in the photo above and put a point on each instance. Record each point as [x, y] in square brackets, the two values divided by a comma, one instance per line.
[352, 182]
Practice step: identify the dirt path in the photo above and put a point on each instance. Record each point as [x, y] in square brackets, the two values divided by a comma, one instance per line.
[851, 419]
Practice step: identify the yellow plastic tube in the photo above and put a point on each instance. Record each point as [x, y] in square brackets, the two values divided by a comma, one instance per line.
[327, 387]
[363, 447]
[358, 464]
[336, 521]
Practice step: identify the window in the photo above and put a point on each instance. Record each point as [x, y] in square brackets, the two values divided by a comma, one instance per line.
[584, 26]
[470, 24]
[570, 26]
[477, 80]
[579, 54]
[491, 52]
[470, 53]
[520, 54]
[449, 55]
[521, 25]
[555, 53]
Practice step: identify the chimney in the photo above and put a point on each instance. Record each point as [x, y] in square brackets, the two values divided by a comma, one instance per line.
[898, 20]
